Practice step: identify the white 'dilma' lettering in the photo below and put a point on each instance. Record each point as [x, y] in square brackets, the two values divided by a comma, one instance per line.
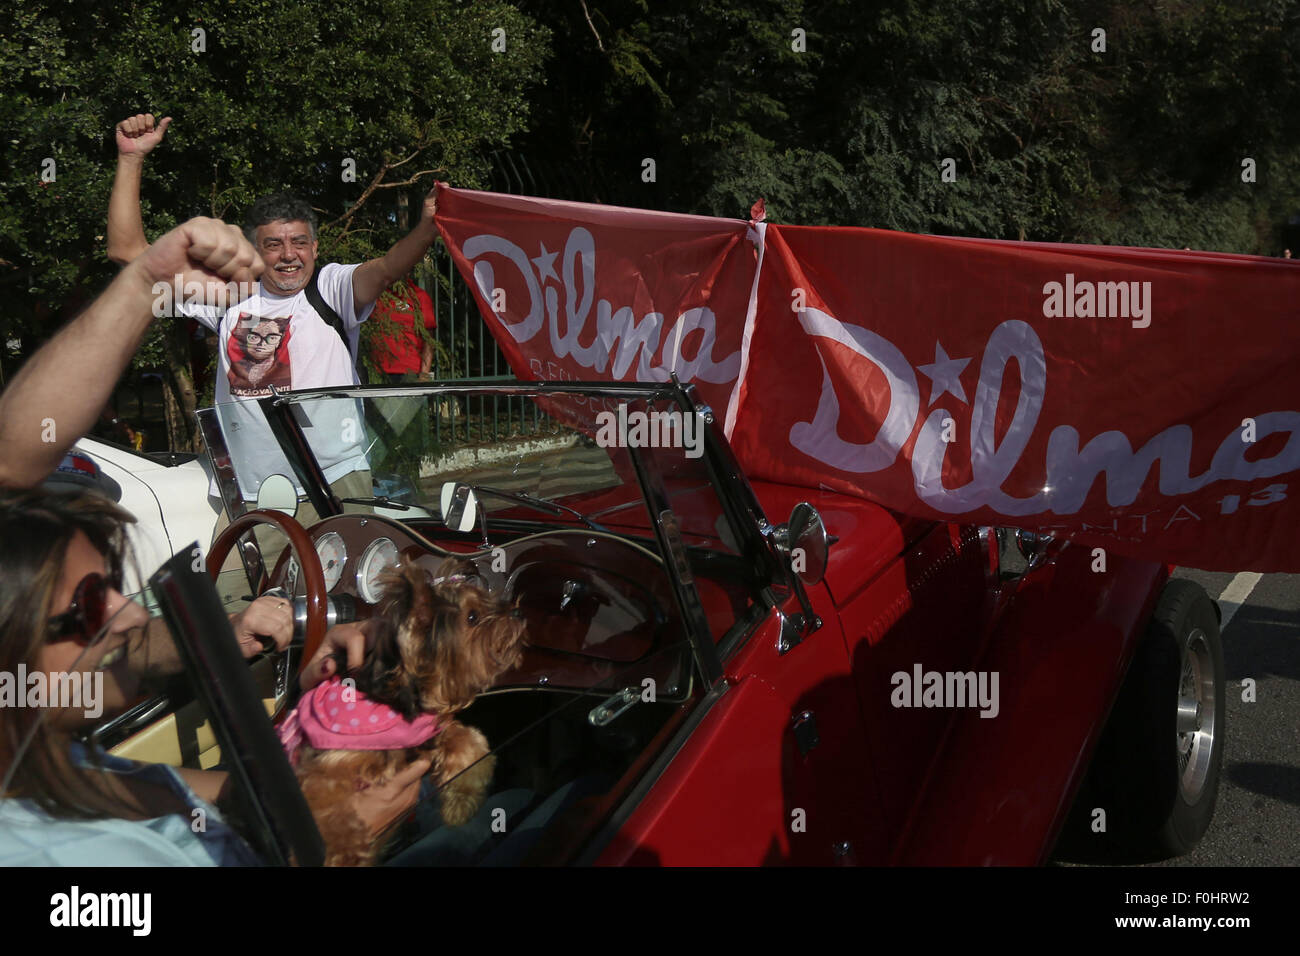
[820, 438]
[621, 341]
[1098, 300]
[1070, 471]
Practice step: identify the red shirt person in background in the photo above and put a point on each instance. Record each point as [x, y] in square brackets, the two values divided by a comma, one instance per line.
[407, 352]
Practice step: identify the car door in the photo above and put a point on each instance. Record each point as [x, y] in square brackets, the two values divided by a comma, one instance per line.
[921, 615]
[773, 766]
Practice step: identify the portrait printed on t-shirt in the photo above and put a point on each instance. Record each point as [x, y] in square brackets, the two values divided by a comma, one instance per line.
[258, 349]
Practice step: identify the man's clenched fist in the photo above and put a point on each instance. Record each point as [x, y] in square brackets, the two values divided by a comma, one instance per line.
[208, 252]
[136, 135]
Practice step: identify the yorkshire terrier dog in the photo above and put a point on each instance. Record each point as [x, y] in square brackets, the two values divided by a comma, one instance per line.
[437, 645]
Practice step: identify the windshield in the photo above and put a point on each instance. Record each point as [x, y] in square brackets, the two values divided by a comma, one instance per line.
[553, 458]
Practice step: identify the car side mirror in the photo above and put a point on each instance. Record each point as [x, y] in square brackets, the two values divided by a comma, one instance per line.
[459, 506]
[277, 493]
[1033, 546]
[806, 543]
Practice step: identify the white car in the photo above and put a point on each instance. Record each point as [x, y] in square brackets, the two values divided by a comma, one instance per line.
[167, 492]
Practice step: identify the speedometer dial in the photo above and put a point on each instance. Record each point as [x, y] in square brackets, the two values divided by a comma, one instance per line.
[333, 555]
[378, 557]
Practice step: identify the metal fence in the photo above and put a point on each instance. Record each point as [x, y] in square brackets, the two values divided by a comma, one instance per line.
[465, 347]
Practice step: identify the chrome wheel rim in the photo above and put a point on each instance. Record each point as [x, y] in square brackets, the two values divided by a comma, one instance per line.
[1195, 716]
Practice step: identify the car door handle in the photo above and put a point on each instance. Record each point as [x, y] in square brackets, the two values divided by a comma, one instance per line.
[603, 714]
[806, 737]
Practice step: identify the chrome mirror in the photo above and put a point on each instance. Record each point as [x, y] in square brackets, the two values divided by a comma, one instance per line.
[277, 493]
[459, 506]
[1033, 546]
[809, 545]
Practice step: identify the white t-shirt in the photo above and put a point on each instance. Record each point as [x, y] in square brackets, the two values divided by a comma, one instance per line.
[270, 339]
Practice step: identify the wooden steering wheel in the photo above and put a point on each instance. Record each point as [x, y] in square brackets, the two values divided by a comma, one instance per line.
[312, 574]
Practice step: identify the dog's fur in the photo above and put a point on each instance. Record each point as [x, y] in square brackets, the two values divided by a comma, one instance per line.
[436, 648]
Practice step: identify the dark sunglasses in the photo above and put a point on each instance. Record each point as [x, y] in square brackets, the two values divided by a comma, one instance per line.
[89, 611]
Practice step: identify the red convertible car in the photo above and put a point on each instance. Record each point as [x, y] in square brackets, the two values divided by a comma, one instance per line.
[719, 671]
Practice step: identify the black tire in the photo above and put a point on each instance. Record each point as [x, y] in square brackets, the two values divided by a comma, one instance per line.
[1158, 783]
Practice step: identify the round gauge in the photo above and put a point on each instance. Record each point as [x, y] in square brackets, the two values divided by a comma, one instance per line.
[379, 556]
[333, 555]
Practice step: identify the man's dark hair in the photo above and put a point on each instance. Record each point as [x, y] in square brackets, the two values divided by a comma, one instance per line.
[278, 206]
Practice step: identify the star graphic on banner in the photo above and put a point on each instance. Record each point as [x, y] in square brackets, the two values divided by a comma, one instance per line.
[944, 374]
[546, 264]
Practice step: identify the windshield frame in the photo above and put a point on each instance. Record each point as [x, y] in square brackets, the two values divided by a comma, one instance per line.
[740, 506]
[278, 409]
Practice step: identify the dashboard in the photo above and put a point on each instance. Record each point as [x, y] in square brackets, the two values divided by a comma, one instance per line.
[599, 609]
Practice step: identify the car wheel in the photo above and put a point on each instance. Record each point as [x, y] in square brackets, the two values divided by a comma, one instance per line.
[1156, 769]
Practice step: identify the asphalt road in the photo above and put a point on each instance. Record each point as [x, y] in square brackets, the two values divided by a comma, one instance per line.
[1257, 820]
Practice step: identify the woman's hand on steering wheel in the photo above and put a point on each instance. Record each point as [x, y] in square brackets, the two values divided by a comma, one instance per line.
[268, 618]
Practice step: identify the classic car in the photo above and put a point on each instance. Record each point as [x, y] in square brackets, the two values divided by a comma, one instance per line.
[719, 671]
[166, 493]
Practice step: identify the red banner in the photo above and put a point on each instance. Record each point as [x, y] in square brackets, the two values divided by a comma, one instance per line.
[1141, 398]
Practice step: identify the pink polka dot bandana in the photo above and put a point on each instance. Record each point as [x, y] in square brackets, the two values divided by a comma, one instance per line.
[331, 716]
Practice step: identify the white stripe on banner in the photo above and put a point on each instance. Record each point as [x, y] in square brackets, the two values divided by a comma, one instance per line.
[758, 233]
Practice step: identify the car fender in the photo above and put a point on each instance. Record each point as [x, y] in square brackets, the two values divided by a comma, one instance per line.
[170, 505]
[189, 513]
[1000, 788]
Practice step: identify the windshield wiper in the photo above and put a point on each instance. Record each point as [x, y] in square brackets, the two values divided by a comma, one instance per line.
[382, 500]
[550, 507]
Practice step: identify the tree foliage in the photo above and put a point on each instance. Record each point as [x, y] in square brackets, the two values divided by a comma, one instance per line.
[1053, 138]
[268, 96]
[835, 111]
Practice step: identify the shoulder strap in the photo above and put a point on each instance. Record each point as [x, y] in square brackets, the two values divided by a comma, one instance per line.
[326, 312]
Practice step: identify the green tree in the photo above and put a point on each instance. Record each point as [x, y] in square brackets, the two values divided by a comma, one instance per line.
[848, 121]
[264, 97]
[1055, 138]
[710, 90]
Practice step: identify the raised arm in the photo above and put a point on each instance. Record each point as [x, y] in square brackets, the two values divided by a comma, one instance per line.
[56, 396]
[373, 277]
[136, 136]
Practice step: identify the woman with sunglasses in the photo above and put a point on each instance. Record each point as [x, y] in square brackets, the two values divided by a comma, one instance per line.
[61, 613]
